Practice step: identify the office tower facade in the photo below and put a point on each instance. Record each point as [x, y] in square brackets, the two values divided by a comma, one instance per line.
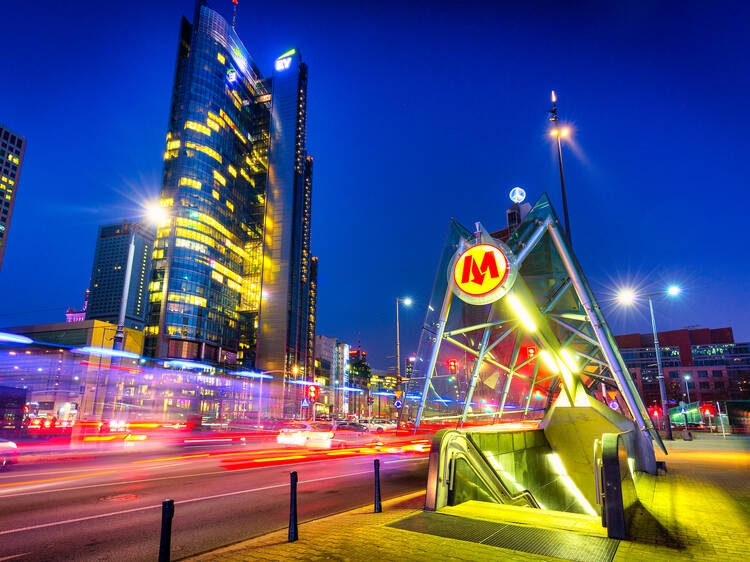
[104, 296]
[232, 267]
[12, 149]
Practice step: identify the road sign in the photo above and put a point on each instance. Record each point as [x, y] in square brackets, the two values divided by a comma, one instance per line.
[397, 403]
[305, 403]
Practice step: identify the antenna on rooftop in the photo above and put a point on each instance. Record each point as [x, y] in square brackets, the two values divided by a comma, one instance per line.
[234, 12]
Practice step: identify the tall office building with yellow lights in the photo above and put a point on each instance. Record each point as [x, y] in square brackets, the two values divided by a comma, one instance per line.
[12, 149]
[234, 280]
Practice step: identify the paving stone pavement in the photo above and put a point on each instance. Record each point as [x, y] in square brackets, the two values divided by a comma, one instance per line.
[699, 510]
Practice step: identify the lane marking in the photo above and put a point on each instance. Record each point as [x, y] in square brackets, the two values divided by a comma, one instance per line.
[12, 556]
[406, 460]
[56, 479]
[190, 500]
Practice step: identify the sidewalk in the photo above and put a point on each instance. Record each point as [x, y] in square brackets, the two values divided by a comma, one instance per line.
[699, 510]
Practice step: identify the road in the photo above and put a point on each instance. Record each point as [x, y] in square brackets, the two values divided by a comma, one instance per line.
[109, 508]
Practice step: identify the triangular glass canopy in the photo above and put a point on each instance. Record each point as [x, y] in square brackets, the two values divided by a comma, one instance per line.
[482, 364]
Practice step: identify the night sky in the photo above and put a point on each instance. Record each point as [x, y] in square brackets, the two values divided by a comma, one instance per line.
[415, 115]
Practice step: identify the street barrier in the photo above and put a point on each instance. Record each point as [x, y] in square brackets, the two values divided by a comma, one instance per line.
[378, 506]
[165, 543]
[293, 531]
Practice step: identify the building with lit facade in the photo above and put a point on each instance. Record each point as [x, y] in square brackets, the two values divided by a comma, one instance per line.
[716, 367]
[234, 280]
[12, 149]
[104, 296]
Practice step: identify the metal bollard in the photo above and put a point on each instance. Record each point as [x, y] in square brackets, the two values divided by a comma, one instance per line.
[165, 544]
[293, 533]
[378, 507]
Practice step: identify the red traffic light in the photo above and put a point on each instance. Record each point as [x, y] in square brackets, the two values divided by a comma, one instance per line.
[452, 366]
[655, 412]
[530, 351]
[312, 392]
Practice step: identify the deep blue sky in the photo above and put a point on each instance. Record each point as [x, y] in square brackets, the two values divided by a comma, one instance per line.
[416, 115]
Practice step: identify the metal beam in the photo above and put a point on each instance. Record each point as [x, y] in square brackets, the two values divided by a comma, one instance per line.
[531, 389]
[557, 296]
[509, 376]
[475, 374]
[476, 327]
[606, 341]
[445, 309]
[577, 332]
[532, 241]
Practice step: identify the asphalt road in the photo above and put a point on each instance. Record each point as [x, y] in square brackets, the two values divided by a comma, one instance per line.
[110, 508]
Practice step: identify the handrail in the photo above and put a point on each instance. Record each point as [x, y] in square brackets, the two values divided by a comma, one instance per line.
[525, 494]
[454, 445]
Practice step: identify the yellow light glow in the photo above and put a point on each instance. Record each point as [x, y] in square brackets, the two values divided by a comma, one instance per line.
[549, 361]
[166, 202]
[521, 312]
[221, 58]
[198, 127]
[187, 299]
[216, 276]
[562, 473]
[230, 206]
[171, 145]
[190, 182]
[218, 177]
[205, 150]
[553, 132]
[244, 174]
[569, 360]
[215, 194]
[231, 170]
[564, 132]
[212, 124]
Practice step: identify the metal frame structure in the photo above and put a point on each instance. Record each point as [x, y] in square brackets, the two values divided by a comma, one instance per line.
[582, 331]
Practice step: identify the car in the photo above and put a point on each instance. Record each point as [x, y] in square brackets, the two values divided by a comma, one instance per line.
[306, 434]
[349, 426]
[8, 453]
[380, 425]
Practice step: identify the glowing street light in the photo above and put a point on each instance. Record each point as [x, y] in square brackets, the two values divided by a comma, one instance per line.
[559, 132]
[407, 302]
[154, 214]
[627, 297]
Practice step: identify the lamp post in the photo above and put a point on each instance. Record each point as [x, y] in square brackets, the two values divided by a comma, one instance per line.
[628, 297]
[407, 302]
[687, 388]
[155, 214]
[558, 133]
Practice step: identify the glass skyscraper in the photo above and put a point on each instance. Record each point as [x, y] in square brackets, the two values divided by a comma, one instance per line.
[108, 274]
[233, 279]
[12, 149]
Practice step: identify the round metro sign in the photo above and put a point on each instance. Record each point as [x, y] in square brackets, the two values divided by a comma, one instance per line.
[482, 273]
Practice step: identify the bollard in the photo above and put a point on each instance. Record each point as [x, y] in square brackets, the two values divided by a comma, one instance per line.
[293, 534]
[378, 507]
[165, 544]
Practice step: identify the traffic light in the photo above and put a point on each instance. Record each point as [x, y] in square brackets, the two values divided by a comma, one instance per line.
[312, 392]
[530, 351]
[452, 366]
[655, 412]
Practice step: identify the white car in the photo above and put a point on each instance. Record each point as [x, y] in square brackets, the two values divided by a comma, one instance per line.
[379, 425]
[8, 453]
[306, 434]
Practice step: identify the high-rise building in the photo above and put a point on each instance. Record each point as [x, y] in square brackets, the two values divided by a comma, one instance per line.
[12, 149]
[234, 280]
[108, 274]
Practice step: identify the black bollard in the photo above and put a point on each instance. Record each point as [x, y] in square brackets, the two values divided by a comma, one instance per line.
[378, 507]
[165, 544]
[293, 534]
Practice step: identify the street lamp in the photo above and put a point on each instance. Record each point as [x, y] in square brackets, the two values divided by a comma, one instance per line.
[559, 133]
[155, 214]
[407, 302]
[687, 388]
[628, 297]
